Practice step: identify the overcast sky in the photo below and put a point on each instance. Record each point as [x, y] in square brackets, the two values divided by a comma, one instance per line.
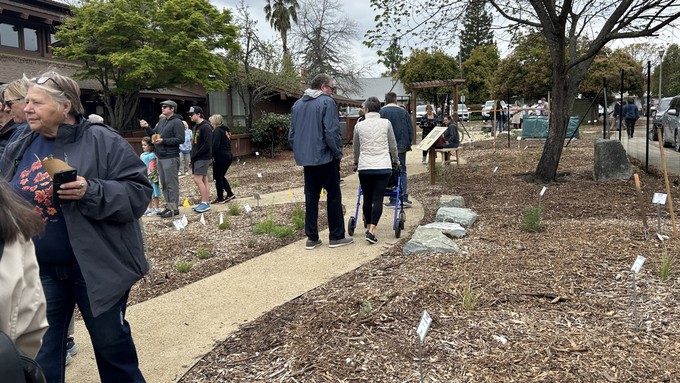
[361, 12]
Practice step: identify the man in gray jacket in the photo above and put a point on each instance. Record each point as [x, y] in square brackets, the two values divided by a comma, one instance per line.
[166, 137]
[315, 138]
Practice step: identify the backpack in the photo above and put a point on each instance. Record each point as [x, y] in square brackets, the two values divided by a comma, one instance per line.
[631, 113]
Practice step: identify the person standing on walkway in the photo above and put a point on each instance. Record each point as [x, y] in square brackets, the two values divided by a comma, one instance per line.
[91, 251]
[427, 123]
[403, 132]
[315, 138]
[185, 150]
[222, 158]
[166, 137]
[201, 154]
[617, 113]
[631, 114]
[375, 155]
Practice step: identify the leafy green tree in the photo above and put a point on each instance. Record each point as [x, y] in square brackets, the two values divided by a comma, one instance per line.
[608, 65]
[670, 73]
[476, 29]
[426, 66]
[526, 70]
[281, 15]
[260, 67]
[479, 71]
[563, 24]
[132, 45]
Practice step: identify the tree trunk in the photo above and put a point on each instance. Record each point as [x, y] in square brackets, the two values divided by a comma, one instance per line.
[121, 108]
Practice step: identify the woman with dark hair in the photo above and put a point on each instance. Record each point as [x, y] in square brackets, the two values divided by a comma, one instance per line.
[22, 301]
[91, 252]
[427, 123]
[375, 155]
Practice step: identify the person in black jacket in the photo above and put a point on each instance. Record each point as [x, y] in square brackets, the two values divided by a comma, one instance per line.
[166, 137]
[222, 157]
[201, 154]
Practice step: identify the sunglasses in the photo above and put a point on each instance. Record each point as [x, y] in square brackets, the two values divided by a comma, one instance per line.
[44, 79]
[10, 102]
[165, 106]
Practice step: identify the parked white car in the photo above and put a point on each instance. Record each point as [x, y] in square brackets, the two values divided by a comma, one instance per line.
[486, 110]
[463, 113]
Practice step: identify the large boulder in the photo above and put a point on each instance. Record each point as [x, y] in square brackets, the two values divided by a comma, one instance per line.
[449, 229]
[611, 161]
[425, 240]
[464, 216]
[451, 201]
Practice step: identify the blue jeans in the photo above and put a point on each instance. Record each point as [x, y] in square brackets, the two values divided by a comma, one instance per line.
[402, 174]
[114, 349]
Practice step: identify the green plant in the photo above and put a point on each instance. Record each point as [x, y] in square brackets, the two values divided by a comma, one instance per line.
[270, 227]
[299, 217]
[202, 253]
[531, 219]
[470, 297]
[666, 269]
[251, 243]
[283, 231]
[270, 131]
[438, 169]
[366, 306]
[224, 225]
[183, 266]
[235, 183]
[234, 209]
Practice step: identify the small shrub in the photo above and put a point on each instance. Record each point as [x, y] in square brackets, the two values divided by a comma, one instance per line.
[282, 231]
[271, 131]
[224, 225]
[264, 227]
[234, 209]
[666, 269]
[234, 183]
[202, 253]
[299, 218]
[366, 307]
[470, 297]
[183, 266]
[531, 219]
[251, 243]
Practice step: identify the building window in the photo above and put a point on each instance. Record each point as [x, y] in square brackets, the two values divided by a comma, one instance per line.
[30, 39]
[9, 35]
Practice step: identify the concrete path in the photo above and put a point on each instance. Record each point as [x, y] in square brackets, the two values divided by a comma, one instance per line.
[175, 330]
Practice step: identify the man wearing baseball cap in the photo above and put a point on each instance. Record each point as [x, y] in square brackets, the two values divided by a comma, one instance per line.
[166, 137]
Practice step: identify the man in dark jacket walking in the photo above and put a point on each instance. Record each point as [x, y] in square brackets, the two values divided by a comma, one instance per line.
[166, 137]
[315, 138]
[403, 132]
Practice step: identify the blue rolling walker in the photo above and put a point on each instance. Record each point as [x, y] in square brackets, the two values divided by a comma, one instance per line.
[393, 190]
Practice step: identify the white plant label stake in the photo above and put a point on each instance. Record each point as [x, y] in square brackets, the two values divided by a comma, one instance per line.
[423, 327]
[540, 195]
[249, 210]
[635, 269]
[659, 199]
[259, 175]
[179, 225]
[495, 169]
[221, 219]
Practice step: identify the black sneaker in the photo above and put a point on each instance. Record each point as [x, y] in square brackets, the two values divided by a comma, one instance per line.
[310, 245]
[340, 242]
[230, 198]
[218, 201]
[167, 213]
[371, 238]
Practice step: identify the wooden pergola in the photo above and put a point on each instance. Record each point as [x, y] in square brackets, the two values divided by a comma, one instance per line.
[415, 86]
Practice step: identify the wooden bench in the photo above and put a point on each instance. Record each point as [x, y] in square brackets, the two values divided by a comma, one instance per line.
[446, 155]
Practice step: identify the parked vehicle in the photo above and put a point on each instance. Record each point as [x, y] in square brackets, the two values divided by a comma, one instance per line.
[656, 120]
[671, 124]
[486, 110]
[463, 113]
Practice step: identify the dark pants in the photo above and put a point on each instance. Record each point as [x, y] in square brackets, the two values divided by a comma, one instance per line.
[223, 160]
[402, 174]
[630, 127]
[373, 188]
[328, 177]
[110, 334]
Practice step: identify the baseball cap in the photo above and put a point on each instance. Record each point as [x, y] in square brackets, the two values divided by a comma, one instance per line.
[196, 110]
[170, 103]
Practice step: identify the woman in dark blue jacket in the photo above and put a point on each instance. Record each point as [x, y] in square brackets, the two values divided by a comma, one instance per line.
[222, 157]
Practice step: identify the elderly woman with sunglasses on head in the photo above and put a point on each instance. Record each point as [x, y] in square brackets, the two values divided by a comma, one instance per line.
[13, 104]
[91, 252]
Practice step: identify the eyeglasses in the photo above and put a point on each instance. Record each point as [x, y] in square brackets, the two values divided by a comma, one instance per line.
[44, 79]
[10, 102]
[332, 88]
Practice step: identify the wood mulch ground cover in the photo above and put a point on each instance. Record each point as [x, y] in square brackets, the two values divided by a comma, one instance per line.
[550, 306]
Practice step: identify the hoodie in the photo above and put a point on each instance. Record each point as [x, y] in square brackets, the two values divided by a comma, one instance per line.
[314, 131]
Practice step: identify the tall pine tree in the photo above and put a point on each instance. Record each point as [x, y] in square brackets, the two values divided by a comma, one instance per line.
[476, 29]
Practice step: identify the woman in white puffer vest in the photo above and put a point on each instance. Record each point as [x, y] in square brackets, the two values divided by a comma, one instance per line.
[375, 154]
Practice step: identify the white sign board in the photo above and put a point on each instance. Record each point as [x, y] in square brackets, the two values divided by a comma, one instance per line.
[247, 208]
[659, 198]
[431, 138]
[639, 261]
[424, 325]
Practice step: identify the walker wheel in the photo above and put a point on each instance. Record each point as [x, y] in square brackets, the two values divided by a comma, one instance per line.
[350, 226]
